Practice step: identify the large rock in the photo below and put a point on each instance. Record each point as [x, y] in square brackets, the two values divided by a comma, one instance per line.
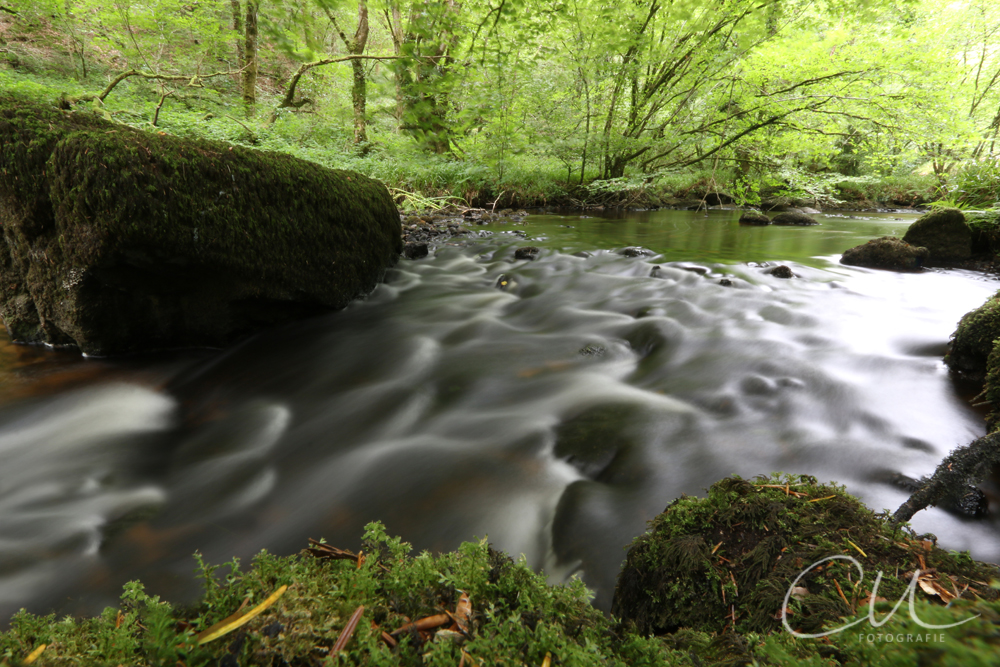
[117, 240]
[973, 340]
[943, 232]
[886, 252]
[744, 558]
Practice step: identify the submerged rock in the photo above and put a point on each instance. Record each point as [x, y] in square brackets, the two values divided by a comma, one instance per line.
[730, 561]
[886, 252]
[117, 240]
[943, 232]
[793, 218]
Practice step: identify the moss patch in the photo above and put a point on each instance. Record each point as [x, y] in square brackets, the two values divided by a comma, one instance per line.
[726, 562]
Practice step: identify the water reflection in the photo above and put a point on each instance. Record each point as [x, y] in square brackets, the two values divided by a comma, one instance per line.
[714, 236]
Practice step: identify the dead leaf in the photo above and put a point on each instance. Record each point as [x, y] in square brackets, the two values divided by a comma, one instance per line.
[34, 654]
[233, 622]
[463, 612]
[428, 623]
[345, 634]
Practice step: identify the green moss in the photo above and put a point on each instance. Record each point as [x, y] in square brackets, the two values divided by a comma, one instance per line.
[516, 618]
[972, 342]
[728, 560]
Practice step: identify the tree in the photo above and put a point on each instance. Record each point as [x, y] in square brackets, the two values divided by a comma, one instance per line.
[356, 46]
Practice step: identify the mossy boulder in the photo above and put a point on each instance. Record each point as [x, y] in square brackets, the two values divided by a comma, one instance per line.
[974, 338]
[793, 218]
[943, 232]
[117, 240]
[886, 252]
[729, 560]
[985, 227]
[754, 218]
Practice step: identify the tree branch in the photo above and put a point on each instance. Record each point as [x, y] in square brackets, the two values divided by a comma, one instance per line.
[963, 467]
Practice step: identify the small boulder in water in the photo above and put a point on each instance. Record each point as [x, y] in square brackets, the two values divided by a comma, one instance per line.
[781, 271]
[886, 252]
[636, 251]
[527, 252]
[793, 218]
[754, 218]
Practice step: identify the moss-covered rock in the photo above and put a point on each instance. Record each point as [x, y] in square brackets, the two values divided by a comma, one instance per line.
[985, 227]
[728, 561]
[973, 340]
[754, 218]
[886, 252]
[793, 218]
[117, 240]
[943, 232]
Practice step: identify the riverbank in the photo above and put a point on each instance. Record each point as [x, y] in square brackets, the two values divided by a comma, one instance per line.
[381, 605]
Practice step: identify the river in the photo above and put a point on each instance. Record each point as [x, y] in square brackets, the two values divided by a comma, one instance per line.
[554, 416]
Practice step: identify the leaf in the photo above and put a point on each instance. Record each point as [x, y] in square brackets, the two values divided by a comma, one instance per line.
[229, 624]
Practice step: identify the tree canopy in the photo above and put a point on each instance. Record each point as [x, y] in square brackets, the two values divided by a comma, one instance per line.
[591, 89]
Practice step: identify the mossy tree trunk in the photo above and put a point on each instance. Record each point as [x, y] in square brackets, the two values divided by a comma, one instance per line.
[249, 78]
[239, 42]
[356, 47]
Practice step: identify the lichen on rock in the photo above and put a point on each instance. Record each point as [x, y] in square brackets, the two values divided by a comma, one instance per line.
[117, 240]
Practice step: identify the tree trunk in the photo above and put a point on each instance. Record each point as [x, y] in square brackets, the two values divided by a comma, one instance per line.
[394, 20]
[358, 90]
[250, 54]
[238, 29]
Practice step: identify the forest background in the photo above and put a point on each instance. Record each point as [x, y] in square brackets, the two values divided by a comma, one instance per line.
[517, 103]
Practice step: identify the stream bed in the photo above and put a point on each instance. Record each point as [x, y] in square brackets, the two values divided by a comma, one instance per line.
[554, 414]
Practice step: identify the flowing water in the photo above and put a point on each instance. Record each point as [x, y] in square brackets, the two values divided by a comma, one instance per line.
[555, 416]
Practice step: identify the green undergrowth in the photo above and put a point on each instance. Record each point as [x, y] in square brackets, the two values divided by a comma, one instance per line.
[513, 617]
[473, 174]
